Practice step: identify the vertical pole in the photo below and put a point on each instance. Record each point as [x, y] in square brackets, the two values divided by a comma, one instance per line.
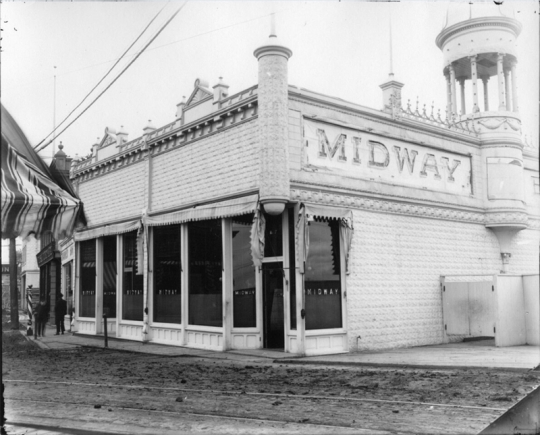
[54, 116]
[13, 284]
[448, 95]
[227, 280]
[515, 106]
[486, 95]
[105, 330]
[99, 284]
[500, 79]
[453, 89]
[462, 89]
[474, 82]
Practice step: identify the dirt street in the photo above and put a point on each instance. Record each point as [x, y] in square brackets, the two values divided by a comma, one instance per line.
[140, 393]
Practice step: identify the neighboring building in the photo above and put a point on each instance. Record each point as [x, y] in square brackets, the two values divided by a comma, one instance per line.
[6, 294]
[278, 217]
[42, 262]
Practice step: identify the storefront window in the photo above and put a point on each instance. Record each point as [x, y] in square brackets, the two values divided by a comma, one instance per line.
[244, 306]
[87, 306]
[167, 296]
[322, 278]
[205, 272]
[132, 297]
[109, 276]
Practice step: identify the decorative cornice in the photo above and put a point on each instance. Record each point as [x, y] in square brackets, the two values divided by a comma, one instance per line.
[168, 137]
[519, 219]
[509, 23]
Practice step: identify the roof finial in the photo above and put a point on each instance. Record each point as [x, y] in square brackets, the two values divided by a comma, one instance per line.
[273, 25]
[391, 54]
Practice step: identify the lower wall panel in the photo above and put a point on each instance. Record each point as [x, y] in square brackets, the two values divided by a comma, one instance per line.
[86, 327]
[166, 335]
[132, 332]
[204, 340]
[245, 341]
[326, 344]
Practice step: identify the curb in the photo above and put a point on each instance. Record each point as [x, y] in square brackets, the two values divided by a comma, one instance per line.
[400, 366]
[34, 342]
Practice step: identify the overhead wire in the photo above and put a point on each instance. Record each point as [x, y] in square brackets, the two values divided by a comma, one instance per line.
[117, 77]
[104, 77]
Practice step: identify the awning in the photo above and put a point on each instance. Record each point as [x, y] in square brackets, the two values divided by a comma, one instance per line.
[216, 210]
[327, 212]
[107, 230]
[32, 202]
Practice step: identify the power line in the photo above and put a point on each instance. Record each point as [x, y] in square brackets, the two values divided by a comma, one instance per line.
[118, 76]
[103, 78]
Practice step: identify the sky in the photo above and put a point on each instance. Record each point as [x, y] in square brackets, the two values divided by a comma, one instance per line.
[340, 48]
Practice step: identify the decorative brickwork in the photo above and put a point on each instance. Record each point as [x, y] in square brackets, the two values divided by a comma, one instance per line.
[219, 165]
[393, 291]
[115, 196]
[273, 125]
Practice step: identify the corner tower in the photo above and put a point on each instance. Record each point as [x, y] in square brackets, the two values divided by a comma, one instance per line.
[481, 52]
[273, 60]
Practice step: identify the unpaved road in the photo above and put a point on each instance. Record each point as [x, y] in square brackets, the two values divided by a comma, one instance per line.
[124, 392]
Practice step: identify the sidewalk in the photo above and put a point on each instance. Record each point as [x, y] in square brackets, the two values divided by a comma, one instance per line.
[473, 354]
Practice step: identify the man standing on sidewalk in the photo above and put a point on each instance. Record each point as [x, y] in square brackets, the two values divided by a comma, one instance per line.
[60, 311]
[41, 316]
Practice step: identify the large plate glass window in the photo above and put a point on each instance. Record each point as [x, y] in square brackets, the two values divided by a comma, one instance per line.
[167, 286]
[323, 277]
[109, 276]
[244, 305]
[205, 273]
[87, 306]
[132, 297]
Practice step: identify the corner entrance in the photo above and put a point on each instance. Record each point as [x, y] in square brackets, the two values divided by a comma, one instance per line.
[273, 314]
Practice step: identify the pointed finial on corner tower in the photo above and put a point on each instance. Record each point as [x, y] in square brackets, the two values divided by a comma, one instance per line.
[391, 53]
[273, 33]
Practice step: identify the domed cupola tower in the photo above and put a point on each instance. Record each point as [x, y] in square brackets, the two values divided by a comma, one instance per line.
[480, 60]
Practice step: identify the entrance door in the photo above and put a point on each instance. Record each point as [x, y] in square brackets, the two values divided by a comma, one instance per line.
[272, 280]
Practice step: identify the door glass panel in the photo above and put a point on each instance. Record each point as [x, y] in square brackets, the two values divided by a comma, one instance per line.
[274, 332]
[244, 307]
[273, 240]
[322, 278]
[292, 269]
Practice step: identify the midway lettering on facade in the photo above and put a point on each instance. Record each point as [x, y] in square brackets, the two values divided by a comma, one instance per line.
[363, 155]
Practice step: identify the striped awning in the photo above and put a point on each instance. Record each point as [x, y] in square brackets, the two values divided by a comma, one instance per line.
[32, 202]
[215, 210]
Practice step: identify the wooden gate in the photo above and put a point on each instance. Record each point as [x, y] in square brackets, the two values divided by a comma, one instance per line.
[469, 308]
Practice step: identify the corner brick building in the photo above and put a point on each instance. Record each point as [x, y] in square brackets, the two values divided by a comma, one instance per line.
[277, 217]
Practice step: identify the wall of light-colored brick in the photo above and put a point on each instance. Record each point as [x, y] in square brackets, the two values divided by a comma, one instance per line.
[219, 165]
[393, 292]
[116, 195]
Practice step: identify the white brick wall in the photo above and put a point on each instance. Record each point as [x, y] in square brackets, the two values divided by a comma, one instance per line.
[114, 196]
[222, 164]
[393, 292]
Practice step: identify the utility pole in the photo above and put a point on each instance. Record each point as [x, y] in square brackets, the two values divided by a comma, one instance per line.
[54, 116]
[13, 284]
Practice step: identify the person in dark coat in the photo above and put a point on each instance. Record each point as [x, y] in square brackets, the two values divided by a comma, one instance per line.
[60, 311]
[41, 316]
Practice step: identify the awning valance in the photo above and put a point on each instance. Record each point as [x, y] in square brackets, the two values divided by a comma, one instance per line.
[328, 212]
[345, 218]
[107, 230]
[222, 209]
